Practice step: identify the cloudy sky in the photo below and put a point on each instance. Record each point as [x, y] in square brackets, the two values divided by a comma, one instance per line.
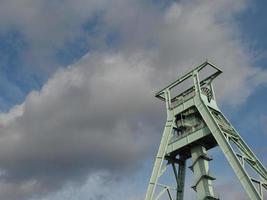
[78, 115]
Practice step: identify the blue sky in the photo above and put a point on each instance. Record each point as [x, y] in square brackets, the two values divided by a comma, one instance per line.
[22, 79]
[252, 30]
[77, 80]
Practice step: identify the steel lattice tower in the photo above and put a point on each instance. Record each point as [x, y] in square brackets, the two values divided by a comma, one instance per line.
[194, 125]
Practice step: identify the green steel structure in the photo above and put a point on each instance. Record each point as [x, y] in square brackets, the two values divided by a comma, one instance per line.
[194, 125]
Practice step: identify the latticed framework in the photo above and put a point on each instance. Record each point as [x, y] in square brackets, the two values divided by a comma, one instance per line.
[194, 125]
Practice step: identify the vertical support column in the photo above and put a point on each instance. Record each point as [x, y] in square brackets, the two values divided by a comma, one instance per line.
[181, 180]
[200, 167]
[179, 176]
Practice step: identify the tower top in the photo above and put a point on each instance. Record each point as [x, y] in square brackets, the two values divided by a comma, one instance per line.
[194, 125]
[207, 79]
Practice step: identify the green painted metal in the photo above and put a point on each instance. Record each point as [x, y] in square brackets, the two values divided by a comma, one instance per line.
[181, 179]
[162, 149]
[194, 125]
[200, 168]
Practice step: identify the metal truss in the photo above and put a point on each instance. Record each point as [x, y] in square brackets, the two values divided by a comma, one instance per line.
[194, 125]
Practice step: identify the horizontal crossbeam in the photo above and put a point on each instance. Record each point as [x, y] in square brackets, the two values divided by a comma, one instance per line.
[218, 71]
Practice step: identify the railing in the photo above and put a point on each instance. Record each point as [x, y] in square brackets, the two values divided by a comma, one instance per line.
[182, 98]
[176, 137]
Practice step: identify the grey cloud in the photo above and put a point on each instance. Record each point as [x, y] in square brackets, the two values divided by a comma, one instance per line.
[82, 121]
[177, 36]
[183, 35]
[100, 113]
[46, 26]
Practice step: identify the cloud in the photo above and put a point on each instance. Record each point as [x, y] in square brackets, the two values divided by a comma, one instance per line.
[184, 34]
[263, 123]
[228, 190]
[100, 114]
[178, 35]
[109, 189]
[46, 27]
[85, 119]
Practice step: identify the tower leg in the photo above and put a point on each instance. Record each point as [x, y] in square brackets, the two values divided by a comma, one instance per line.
[223, 133]
[224, 144]
[159, 159]
[181, 180]
[200, 167]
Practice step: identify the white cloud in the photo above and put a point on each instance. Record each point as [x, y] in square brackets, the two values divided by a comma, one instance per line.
[100, 114]
[86, 118]
[101, 186]
[46, 26]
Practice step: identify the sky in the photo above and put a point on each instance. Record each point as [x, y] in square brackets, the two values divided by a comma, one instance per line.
[78, 116]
